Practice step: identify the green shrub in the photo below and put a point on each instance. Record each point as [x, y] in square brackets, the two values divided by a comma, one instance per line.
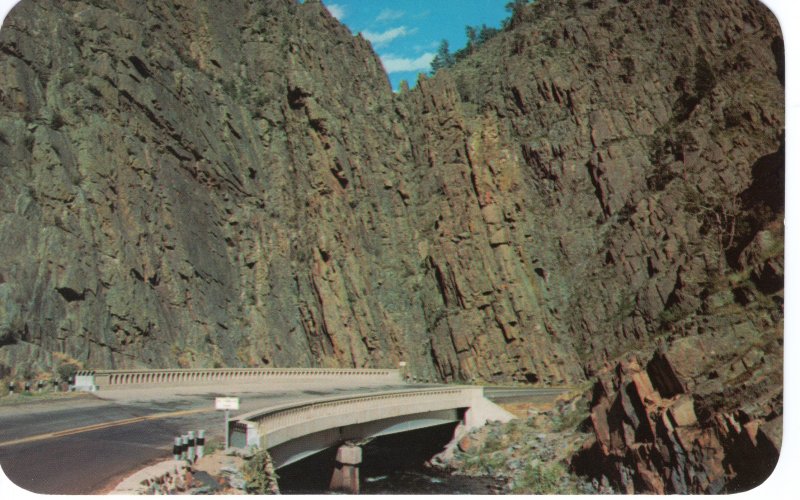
[572, 420]
[260, 474]
[66, 370]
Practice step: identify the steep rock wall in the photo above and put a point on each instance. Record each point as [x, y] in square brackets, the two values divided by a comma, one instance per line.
[631, 135]
[200, 184]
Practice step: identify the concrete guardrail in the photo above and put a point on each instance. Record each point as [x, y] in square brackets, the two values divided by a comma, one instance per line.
[93, 380]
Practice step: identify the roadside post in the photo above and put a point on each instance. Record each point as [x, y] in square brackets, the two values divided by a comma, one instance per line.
[11, 387]
[190, 453]
[184, 446]
[200, 447]
[227, 404]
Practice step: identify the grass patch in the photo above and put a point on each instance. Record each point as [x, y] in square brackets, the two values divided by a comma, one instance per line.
[212, 446]
[542, 479]
[571, 421]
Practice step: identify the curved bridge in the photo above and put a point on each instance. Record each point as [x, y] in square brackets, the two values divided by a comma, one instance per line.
[294, 431]
[294, 421]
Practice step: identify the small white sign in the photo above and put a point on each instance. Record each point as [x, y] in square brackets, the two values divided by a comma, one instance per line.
[226, 403]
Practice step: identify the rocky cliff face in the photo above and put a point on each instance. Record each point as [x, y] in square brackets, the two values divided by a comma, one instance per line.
[604, 149]
[699, 416]
[191, 183]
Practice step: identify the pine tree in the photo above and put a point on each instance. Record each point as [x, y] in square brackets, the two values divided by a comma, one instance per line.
[443, 58]
[472, 38]
[517, 9]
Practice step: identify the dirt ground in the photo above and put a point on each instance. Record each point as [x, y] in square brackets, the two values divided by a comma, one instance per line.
[216, 461]
[521, 410]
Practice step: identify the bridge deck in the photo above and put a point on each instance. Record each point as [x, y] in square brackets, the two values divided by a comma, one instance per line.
[310, 426]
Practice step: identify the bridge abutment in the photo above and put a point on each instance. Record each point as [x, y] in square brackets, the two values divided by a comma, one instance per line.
[346, 472]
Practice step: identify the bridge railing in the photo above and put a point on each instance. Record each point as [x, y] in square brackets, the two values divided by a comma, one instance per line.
[122, 379]
[273, 426]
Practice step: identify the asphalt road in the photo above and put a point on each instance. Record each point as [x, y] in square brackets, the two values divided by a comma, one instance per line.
[87, 445]
[523, 394]
[81, 460]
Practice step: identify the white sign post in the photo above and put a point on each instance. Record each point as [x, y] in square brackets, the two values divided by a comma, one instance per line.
[227, 404]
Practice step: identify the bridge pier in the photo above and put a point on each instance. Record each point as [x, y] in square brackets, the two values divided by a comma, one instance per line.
[345, 474]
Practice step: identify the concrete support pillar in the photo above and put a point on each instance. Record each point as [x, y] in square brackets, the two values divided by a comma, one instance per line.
[345, 474]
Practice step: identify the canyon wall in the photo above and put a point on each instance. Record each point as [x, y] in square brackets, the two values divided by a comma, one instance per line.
[196, 183]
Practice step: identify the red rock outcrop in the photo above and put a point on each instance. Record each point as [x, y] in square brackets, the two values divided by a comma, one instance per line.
[658, 428]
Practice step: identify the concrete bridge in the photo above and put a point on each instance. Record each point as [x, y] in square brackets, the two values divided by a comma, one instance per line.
[293, 430]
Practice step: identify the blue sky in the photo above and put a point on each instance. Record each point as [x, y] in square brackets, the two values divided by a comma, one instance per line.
[407, 33]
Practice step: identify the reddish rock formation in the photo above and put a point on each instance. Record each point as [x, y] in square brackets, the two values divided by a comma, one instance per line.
[659, 429]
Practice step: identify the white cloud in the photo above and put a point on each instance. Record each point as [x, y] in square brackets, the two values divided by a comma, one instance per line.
[389, 15]
[336, 10]
[379, 39]
[434, 44]
[397, 64]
